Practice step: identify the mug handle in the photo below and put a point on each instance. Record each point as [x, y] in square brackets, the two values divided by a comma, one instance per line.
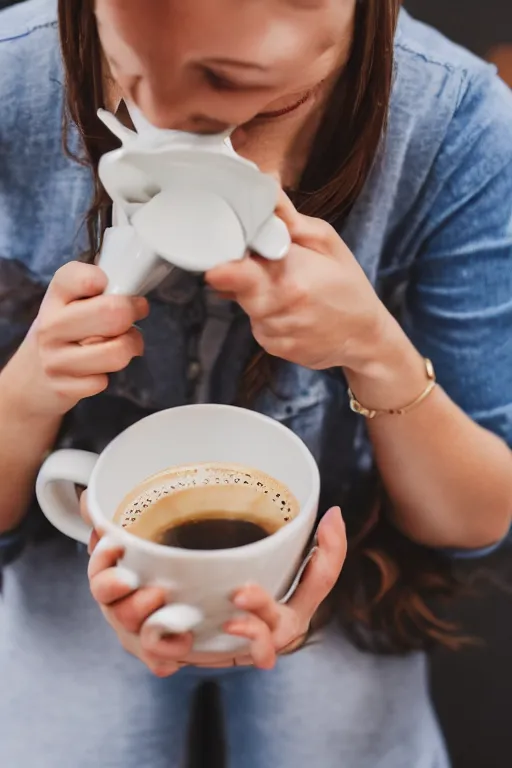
[300, 573]
[56, 491]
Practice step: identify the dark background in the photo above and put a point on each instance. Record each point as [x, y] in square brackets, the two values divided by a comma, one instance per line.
[477, 24]
[472, 689]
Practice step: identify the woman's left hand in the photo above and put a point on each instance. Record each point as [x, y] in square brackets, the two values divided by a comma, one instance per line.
[273, 628]
[315, 307]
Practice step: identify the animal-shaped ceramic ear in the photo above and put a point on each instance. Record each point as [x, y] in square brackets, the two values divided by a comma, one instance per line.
[115, 126]
[124, 183]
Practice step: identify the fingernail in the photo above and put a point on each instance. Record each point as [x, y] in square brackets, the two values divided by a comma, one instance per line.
[240, 601]
[333, 512]
[156, 634]
[141, 304]
[127, 578]
[105, 543]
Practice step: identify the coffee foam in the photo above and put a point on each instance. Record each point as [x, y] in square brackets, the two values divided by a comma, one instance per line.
[200, 487]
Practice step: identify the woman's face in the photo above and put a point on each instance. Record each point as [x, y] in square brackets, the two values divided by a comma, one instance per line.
[205, 65]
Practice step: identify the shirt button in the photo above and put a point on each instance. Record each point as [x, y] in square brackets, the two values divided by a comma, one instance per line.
[194, 370]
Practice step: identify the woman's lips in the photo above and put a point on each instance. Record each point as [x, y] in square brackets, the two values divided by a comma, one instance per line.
[285, 110]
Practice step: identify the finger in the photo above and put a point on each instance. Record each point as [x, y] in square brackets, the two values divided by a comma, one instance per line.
[84, 511]
[131, 644]
[165, 647]
[332, 537]
[161, 669]
[322, 573]
[287, 212]
[93, 542]
[255, 600]
[102, 316]
[255, 286]
[132, 611]
[78, 388]
[113, 584]
[75, 280]
[106, 555]
[103, 357]
[257, 632]
[313, 233]
[280, 325]
[241, 279]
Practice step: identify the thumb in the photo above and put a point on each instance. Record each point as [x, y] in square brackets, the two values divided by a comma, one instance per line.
[308, 231]
[285, 209]
[332, 536]
[287, 212]
[84, 510]
[322, 573]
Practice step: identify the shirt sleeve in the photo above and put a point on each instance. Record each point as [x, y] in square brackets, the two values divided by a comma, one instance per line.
[11, 546]
[458, 304]
[21, 294]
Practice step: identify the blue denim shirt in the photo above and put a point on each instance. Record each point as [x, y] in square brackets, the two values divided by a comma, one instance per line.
[432, 231]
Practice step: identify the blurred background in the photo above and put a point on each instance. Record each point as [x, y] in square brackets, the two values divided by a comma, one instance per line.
[472, 689]
[478, 25]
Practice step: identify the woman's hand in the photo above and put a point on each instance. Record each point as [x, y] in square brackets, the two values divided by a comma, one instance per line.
[126, 608]
[268, 626]
[316, 307]
[78, 337]
[272, 628]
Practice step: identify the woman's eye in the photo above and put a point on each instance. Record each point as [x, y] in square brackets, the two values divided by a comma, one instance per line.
[221, 83]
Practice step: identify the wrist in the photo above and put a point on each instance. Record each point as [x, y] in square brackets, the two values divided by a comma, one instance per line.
[20, 394]
[393, 376]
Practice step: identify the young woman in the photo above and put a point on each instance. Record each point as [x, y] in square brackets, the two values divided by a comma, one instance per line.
[395, 150]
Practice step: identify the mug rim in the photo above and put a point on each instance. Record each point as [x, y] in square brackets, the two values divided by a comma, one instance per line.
[307, 509]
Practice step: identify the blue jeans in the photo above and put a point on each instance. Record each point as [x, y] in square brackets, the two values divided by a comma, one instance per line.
[328, 706]
[70, 696]
[320, 707]
[325, 706]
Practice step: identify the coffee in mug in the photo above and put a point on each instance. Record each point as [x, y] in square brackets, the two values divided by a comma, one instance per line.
[207, 507]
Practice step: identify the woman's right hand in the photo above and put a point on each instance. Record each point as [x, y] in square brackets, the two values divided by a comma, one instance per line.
[126, 607]
[79, 336]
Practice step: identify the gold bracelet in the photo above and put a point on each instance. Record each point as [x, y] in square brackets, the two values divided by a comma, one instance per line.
[372, 413]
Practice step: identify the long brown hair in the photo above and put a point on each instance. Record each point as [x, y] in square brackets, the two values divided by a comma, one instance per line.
[387, 582]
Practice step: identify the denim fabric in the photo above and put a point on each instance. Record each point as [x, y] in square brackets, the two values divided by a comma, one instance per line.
[432, 230]
[71, 697]
[433, 233]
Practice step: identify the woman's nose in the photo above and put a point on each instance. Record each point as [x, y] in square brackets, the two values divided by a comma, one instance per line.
[164, 104]
[173, 105]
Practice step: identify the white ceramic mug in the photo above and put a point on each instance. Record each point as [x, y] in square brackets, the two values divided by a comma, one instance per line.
[201, 582]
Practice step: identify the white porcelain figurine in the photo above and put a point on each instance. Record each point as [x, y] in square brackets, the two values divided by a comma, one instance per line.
[184, 200]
